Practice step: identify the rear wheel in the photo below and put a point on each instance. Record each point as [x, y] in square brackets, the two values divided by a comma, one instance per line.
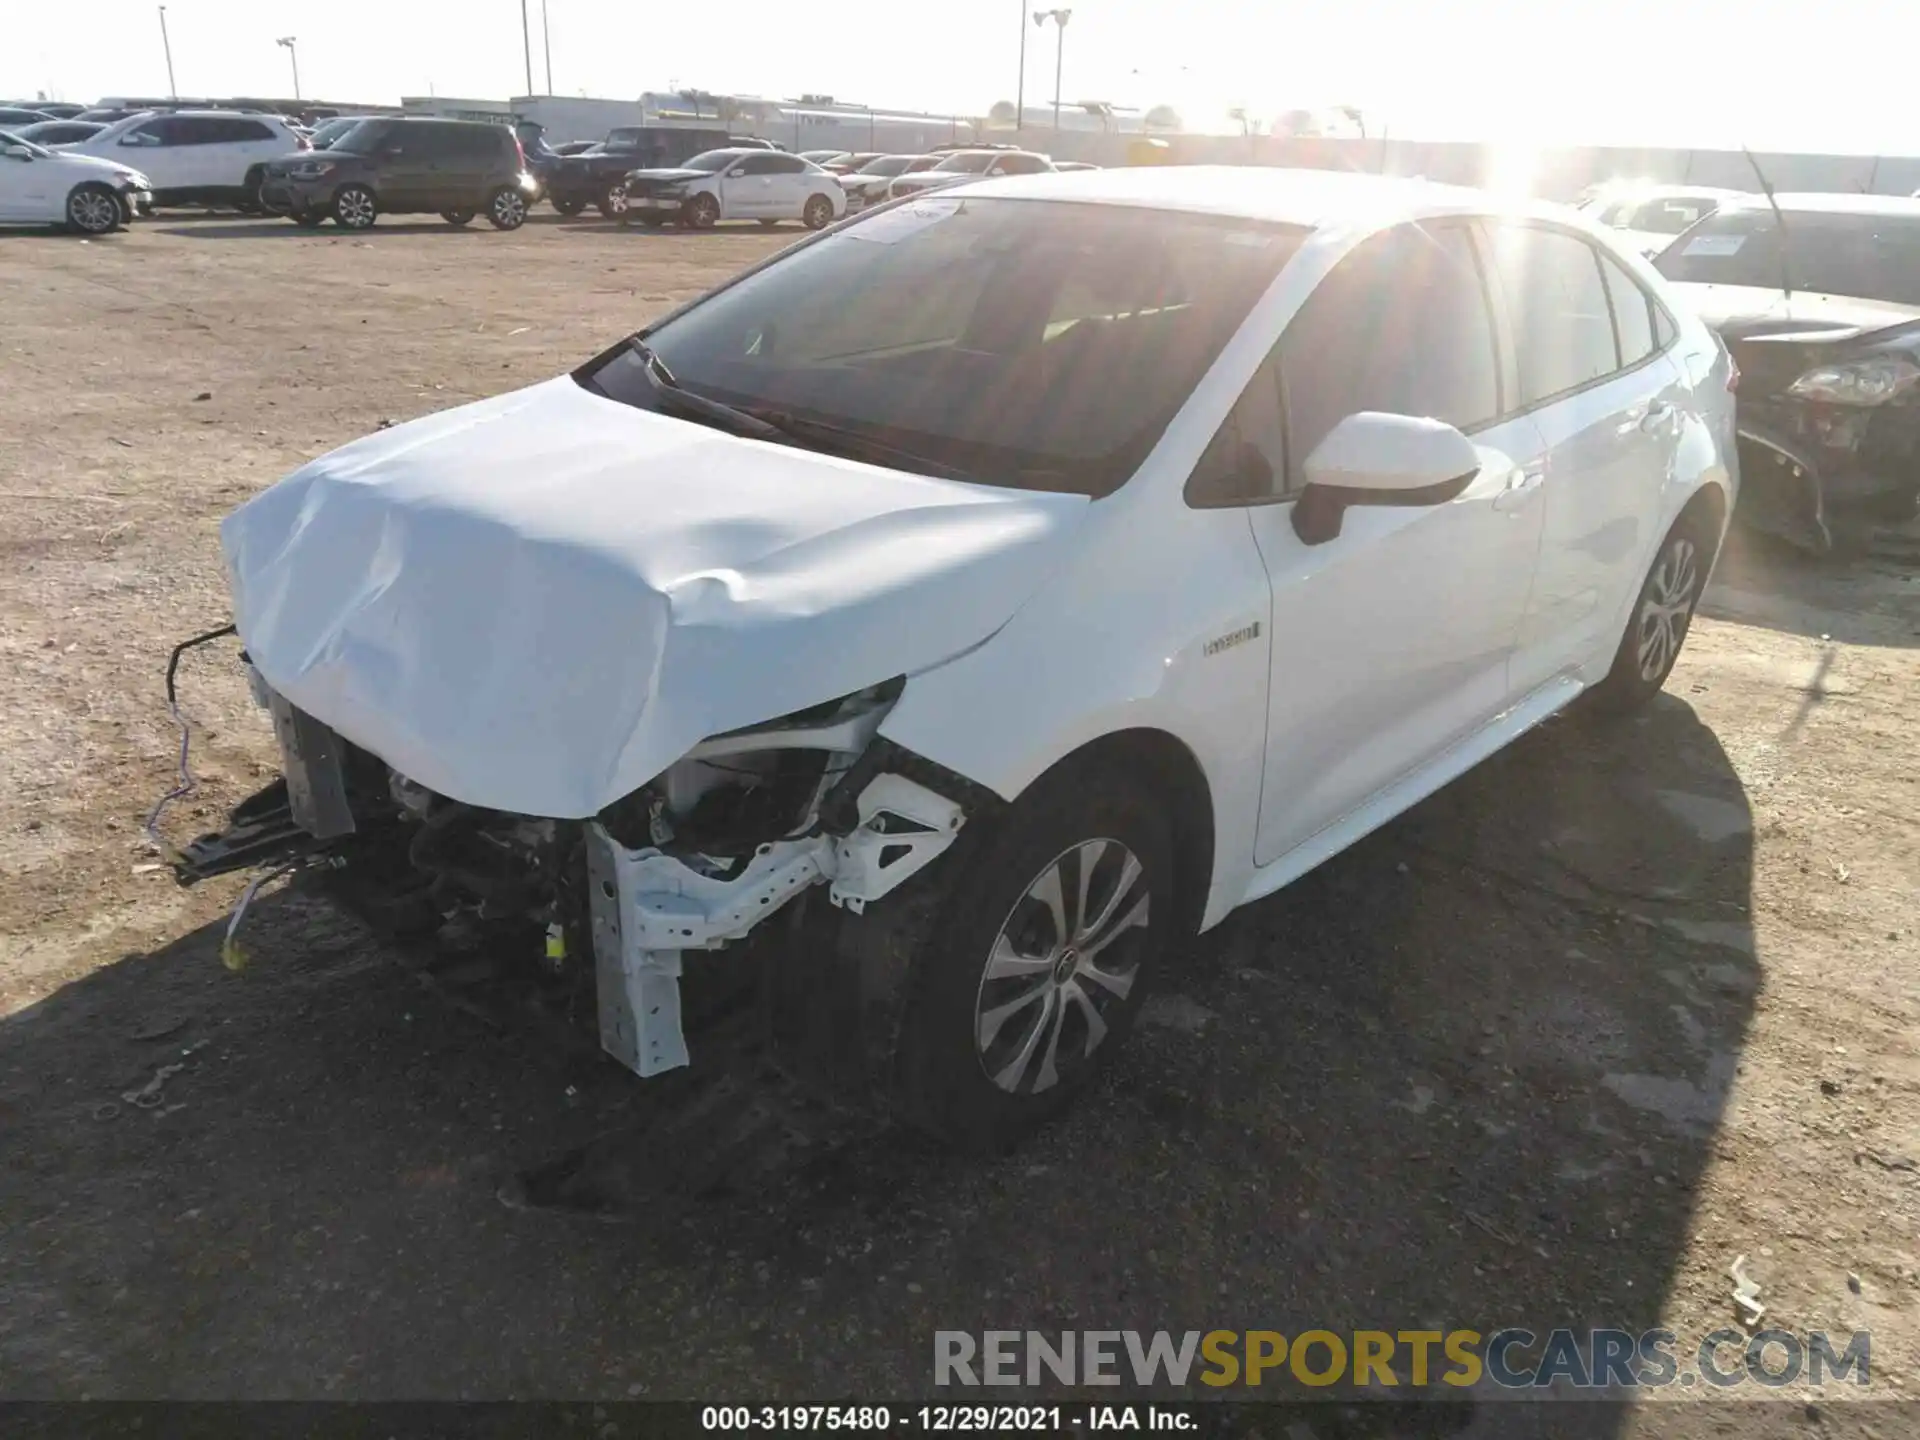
[1662, 614]
[1027, 978]
[250, 202]
[94, 210]
[569, 206]
[457, 217]
[614, 204]
[818, 213]
[702, 212]
[354, 207]
[506, 209]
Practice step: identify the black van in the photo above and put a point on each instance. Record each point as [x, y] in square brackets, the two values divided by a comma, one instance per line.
[454, 168]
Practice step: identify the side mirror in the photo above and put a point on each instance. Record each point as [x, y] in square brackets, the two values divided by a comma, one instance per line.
[1376, 459]
[16, 152]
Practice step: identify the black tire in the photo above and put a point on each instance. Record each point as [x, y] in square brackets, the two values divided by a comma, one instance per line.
[506, 208]
[355, 208]
[817, 214]
[94, 210]
[308, 219]
[613, 203]
[702, 212]
[942, 1077]
[250, 201]
[457, 218]
[1662, 614]
[569, 207]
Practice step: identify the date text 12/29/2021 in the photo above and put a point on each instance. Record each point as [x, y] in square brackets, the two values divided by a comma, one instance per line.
[936, 1419]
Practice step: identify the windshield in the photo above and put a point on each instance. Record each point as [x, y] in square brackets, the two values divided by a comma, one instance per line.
[363, 137]
[39, 152]
[1868, 257]
[973, 164]
[1668, 215]
[1022, 343]
[886, 165]
[711, 160]
[331, 131]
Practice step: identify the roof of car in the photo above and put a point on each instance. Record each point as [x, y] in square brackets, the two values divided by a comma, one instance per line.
[1293, 197]
[1837, 204]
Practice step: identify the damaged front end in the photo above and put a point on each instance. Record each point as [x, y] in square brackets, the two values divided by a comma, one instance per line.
[692, 861]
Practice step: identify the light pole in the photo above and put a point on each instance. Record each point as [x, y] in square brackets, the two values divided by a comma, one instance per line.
[167, 45]
[1059, 18]
[526, 44]
[546, 44]
[288, 42]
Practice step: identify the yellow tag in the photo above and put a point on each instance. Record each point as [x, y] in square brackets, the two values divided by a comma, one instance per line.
[233, 957]
[556, 943]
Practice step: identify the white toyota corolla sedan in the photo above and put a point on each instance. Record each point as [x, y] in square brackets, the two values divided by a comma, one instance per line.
[998, 588]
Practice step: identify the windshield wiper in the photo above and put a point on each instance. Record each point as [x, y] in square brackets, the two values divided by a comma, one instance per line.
[677, 396]
[855, 444]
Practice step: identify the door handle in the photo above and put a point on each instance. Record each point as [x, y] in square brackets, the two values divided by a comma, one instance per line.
[1520, 487]
[1659, 417]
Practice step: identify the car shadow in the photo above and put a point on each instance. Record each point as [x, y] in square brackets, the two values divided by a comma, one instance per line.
[1867, 598]
[1467, 1074]
[277, 228]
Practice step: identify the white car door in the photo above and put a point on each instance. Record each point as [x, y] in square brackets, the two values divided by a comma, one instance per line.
[1608, 405]
[1391, 640]
[744, 188]
[23, 185]
[152, 148]
[789, 183]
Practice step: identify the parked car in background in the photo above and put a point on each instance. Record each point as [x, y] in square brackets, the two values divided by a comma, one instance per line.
[789, 593]
[732, 184]
[328, 131]
[1652, 215]
[1820, 305]
[824, 158]
[57, 109]
[107, 114]
[393, 166]
[207, 157]
[590, 177]
[853, 162]
[575, 147]
[869, 183]
[59, 132]
[15, 116]
[1065, 166]
[957, 167]
[39, 186]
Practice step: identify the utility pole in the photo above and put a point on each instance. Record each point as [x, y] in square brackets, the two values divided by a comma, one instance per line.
[1059, 18]
[167, 45]
[289, 41]
[1020, 90]
[526, 43]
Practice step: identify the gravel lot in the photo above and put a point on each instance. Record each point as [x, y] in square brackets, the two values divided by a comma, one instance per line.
[1554, 1049]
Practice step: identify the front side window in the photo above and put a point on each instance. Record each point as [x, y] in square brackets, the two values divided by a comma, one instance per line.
[1021, 165]
[1023, 343]
[1557, 303]
[39, 152]
[1401, 326]
[1864, 255]
[711, 161]
[154, 132]
[366, 137]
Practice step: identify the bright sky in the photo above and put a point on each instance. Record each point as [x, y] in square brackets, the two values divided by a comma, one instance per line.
[1774, 74]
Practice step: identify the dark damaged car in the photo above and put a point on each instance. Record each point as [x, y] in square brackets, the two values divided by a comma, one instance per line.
[1819, 302]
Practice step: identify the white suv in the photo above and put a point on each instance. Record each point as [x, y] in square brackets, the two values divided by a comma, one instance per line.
[39, 186]
[215, 157]
[1011, 582]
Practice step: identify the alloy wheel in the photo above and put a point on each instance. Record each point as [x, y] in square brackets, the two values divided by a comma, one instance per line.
[93, 211]
[353, 208]
[1666, 608]
[1063, 960]
[509, 210]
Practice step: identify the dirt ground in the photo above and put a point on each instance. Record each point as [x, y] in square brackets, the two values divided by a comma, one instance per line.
[1556, 1048]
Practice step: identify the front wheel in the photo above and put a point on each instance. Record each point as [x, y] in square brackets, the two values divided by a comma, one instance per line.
[818, 213]
[457, 218]
[1662, 615]
[702, 212]
[354, 208]
[1032, 970]
[506, 209]
[94, 210]
[614, 204]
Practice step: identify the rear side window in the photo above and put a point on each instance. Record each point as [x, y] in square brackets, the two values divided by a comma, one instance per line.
[1632, 313]
[432, 140]
[784, 165]
[245, 131]
[1562, 321]
[1400, 326]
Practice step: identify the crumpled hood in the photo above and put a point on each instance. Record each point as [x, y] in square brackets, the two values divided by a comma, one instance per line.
[538, 602]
